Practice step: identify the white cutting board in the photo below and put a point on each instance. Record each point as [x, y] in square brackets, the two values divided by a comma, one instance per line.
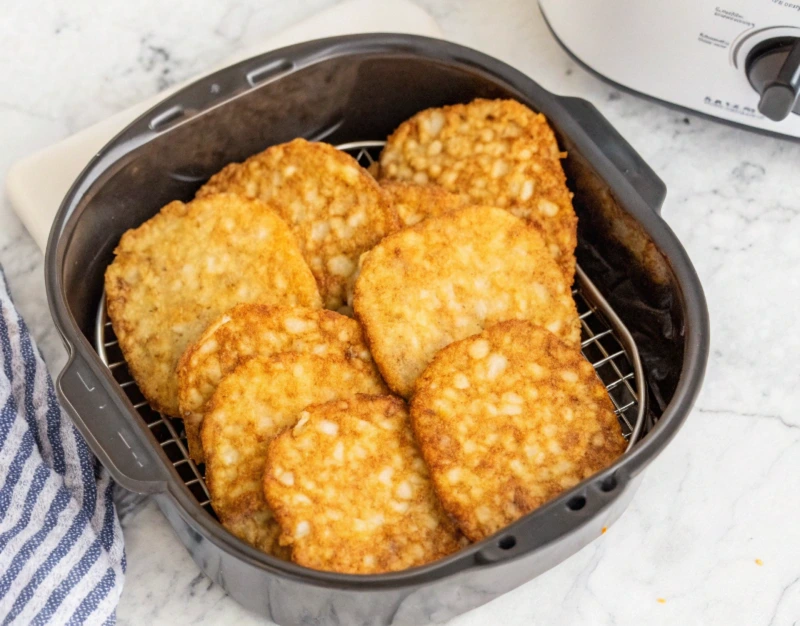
[37, 184]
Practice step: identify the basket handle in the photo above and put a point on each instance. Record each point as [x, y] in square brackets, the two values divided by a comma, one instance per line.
[618, 151]
[119, 445]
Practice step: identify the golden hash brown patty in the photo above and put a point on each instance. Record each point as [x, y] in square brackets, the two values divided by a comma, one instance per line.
[448, 278]
[351, 492]
[257, 330]
[334, 207]
[499, 153]
[187, 265]
[250, 407]
[414, 203]
[507, 420]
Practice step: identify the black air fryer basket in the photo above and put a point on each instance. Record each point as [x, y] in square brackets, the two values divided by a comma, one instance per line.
[644, 316]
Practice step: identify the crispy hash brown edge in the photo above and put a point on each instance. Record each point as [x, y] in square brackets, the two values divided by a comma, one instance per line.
[119, 292]
[187, 374]
[508, 109]
[250, 383]
[234, 177]
[452, 540]
[381, 355]
[431, 428]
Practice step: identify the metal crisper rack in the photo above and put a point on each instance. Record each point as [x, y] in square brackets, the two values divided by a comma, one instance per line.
[605, 342]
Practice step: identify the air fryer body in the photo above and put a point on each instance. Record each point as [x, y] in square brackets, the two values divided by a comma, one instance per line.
[692, 54]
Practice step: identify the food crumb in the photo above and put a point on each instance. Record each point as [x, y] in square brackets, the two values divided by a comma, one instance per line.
[661, 600]
[603, 530]
[759, 562]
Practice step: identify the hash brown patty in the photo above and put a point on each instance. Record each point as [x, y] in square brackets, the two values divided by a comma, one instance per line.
[351, 491]
[250, 407]
[507, 420]
[258, 330]
[187, 265]
[499, 153]
[334, 207]
[451, 276]
[414, 202]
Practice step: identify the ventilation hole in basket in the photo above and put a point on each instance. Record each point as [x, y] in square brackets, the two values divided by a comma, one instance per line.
[166, 118]
[506, 543]
[576, 503]
[608, 484]
[269, 71]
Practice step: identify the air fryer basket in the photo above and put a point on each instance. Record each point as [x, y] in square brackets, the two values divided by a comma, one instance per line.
[357, 89]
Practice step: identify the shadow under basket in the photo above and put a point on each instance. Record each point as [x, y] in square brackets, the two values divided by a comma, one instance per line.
[643, 314]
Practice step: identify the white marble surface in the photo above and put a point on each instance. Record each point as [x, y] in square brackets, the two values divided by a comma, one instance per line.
[725, 493]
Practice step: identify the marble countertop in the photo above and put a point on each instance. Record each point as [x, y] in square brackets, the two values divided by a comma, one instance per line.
[713, 535]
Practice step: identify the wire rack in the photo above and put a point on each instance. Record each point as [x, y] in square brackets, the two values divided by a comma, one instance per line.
[605, 342]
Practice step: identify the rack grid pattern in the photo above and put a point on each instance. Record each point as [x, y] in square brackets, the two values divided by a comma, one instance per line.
[600, 345]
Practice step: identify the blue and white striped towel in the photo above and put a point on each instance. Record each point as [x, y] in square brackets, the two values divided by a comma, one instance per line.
[62, 559]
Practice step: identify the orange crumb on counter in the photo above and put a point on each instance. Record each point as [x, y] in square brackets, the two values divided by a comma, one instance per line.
[661, 600]
[759, 562]
[603, 530]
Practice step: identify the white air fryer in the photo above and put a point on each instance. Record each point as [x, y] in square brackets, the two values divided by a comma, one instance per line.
[734, 60]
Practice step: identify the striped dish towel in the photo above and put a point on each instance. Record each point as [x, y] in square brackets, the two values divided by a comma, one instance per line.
[62, 559]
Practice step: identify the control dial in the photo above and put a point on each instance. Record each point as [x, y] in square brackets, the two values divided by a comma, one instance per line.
[773, 69]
